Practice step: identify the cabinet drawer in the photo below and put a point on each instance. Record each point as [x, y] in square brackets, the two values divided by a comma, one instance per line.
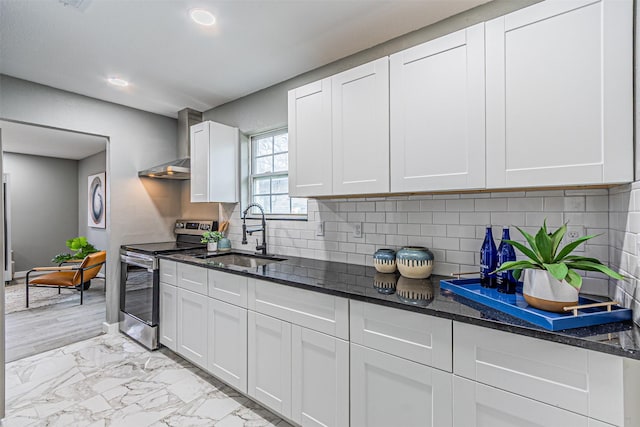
[479, 405]
[321, 312]
[572, 378]
[168, 272]
[227, 287]
[192, 278]
[413, 336]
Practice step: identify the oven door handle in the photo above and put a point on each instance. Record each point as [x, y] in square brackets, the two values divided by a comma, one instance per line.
[148, 265]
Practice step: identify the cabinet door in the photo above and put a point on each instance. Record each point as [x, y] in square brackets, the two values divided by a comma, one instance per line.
[227, 287]
[224, 163]
[168, 272]
[310, 172]
[389, 391]
[360, 111]
[559, 94]
[437, 114]
[200, 162]
[168, 315]
[269, 362]
[478, 405]
[192, 327]
[320, 379]
[228, 343]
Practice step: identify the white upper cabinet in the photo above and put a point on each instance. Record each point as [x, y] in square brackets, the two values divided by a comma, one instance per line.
[559, 94]
[214, 163]
[437, 114]
[310, 172]
[360, 111]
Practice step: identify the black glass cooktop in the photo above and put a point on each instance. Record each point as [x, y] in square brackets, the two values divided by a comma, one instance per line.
[162, 247]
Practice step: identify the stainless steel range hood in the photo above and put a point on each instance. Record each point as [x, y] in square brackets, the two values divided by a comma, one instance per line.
[180, 168]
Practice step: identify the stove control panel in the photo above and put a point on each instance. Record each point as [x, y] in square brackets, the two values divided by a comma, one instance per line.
[195, 226]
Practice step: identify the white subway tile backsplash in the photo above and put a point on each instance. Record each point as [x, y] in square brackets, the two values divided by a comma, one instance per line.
[468, 231]
[396, 240]
[536, 219]
[574, 204]
[597, 204]
[446, 243]
[432, 205]
[504, 219]
[375, 217]
[475, 218]
[466, 205]
[420, 217]
[387, 206]
[491, 205]
[409, 229]
[399, 217]
[366, 207]
[525, 204]
[409, 206]
[446, 218]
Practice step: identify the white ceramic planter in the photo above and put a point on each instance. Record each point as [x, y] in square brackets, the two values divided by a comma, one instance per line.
[212, 246]
[541, 290]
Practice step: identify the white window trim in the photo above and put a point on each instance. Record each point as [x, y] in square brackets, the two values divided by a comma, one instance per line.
[252, 176]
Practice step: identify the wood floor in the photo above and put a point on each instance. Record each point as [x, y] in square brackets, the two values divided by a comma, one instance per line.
[40, 329]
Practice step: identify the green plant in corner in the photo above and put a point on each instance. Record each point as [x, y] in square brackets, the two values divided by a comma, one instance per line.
[81, 248]
[211, 236]
[544, 253]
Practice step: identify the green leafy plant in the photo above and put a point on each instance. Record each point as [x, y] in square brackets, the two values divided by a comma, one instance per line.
[81, 248]
[544, 253]
[211, 236]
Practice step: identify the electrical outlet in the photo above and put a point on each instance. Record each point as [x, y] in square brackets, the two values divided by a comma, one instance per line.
[357, 230]
[574, 232]
[320, 228]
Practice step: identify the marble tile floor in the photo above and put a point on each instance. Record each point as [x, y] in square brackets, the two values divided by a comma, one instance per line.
[111, 381]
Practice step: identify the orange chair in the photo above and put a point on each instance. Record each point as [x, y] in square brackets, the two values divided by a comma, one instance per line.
[68, 275]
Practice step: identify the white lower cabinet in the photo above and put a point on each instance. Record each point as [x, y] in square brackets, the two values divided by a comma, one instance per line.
[269, 362]
[192, 327]
[479, 405]
[390, 391]
[320, 378]
[168, 315]
[228, 343]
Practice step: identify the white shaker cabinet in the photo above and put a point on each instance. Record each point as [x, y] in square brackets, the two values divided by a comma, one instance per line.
[559, 94]
[214, 163]
[360, 111]
[269, 362]
[390, 391]
[320, 379]
[228, 343]
[437, 114]
[310, 171]
[168, 316]
[478, 405]
[192, 327]
[339, 133]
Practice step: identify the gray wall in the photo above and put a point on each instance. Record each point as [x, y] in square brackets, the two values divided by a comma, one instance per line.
[137, 210]
[90, 166]
[44, 207]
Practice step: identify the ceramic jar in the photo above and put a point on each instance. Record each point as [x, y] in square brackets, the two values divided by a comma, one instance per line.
[415, 291]
[224, 245]
[415, 262]
[384, 260]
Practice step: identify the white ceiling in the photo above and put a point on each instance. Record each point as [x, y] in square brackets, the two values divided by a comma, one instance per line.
[173, 63]
[42, 141]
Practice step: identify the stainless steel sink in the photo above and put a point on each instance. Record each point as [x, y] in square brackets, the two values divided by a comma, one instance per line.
[241, 260]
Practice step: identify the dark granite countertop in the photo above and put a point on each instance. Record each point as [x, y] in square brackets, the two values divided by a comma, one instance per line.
[422, 296]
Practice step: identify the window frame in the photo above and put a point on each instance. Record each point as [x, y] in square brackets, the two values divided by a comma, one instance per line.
[253, 138]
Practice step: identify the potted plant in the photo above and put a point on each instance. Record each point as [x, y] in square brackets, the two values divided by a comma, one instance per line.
[211, 238]
[81, 248]
[551, 281]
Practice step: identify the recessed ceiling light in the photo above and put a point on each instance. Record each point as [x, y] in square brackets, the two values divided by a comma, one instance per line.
[118, 82]
[202, 17]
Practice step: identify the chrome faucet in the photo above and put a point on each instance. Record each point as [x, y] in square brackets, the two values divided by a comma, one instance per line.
[259, 247]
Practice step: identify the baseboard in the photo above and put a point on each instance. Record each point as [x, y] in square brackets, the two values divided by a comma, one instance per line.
[110, 328]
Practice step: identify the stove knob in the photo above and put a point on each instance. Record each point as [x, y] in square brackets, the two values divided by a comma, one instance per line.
[179, 224]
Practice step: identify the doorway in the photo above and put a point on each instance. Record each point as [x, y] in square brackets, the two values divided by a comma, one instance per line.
[48, 171]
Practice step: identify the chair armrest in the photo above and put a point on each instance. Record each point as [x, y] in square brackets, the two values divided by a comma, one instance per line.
[89, 267]
[63, 268]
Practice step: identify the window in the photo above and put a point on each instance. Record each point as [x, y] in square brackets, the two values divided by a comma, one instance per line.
[269, 175]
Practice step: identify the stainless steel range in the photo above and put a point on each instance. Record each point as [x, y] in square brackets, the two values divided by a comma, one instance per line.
[140, 279]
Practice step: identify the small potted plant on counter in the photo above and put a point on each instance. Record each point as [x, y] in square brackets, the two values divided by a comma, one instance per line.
[211, 238]
[550, 278]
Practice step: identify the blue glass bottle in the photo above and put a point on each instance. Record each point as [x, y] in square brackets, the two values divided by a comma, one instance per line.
[505, 281]
[488, 260]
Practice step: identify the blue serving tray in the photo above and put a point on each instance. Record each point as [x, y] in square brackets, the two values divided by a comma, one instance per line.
[515, 305]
